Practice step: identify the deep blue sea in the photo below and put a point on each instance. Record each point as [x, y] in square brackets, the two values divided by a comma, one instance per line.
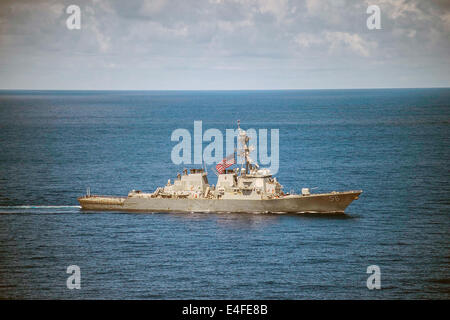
[393, 144]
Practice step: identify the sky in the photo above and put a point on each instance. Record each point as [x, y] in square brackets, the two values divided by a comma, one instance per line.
[223, 45]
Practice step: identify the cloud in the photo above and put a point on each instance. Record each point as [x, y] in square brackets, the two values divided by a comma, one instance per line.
[399, 8]
[151, 8]
[278, 8]
[306, 40]
[93, 25]
[335, 41]
[354, 42]
[227, 42]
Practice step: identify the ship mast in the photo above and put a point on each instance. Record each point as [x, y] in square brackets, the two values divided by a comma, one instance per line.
[244, 139]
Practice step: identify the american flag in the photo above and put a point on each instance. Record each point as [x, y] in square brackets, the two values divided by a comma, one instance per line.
[225, 163]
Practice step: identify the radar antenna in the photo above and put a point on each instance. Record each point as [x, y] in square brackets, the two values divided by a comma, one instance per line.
[244, 151]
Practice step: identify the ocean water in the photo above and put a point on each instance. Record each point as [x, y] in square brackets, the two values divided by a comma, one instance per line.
[393, 144]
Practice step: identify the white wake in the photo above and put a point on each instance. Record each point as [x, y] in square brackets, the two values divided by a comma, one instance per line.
[38, 207]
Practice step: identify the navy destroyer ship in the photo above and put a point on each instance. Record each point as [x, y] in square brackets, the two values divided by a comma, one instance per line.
[247, 189]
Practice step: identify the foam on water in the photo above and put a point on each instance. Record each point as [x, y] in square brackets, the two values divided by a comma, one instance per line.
[38, 207]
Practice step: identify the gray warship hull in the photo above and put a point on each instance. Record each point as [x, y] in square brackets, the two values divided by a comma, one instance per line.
[248, 189]
[335, 202]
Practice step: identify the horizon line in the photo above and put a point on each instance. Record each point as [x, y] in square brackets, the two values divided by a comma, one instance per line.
[141, 90]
